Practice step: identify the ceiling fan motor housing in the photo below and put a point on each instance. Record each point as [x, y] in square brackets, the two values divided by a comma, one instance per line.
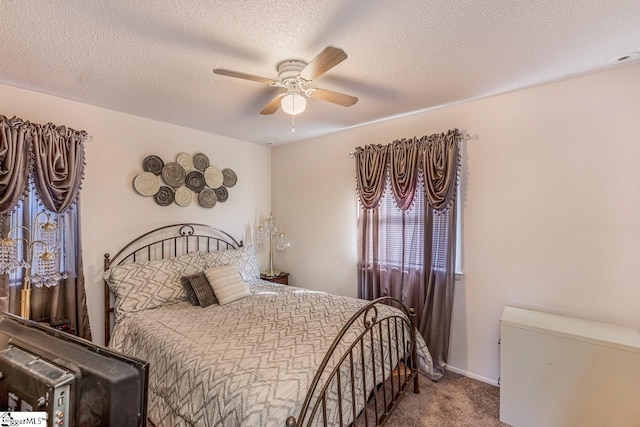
[289, 70]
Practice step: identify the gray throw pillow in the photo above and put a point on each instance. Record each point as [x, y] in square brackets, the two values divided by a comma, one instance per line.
[188, 289]
[201, 290]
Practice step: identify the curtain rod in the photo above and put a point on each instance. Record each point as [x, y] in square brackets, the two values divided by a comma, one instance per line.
[464, 136]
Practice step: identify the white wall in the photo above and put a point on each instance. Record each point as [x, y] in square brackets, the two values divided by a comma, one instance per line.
[112, 212]
[551, 215]
[551, 212]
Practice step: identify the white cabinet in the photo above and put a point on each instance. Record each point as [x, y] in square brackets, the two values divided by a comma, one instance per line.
[561, 371]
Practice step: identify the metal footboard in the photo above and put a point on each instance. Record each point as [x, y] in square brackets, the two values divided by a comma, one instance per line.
[374, 369]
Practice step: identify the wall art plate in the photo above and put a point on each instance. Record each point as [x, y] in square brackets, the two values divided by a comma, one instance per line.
[222, 194]
[207, 198]
[195, 181]
[213, 177]
[146, 184]
[165, 196]
[185, 160]
[229, 178]
[201, 161]
[173, 174]
[183, 196]
[153, 164]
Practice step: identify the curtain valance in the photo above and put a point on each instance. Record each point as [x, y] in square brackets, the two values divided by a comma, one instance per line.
[433, 158]
[403, 171]
[54, 155]
[440, 167]
[371, 173]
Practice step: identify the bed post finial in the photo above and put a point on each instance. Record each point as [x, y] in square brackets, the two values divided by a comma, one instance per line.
[291, 422]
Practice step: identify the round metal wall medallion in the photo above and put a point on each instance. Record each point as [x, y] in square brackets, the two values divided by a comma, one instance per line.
[146, 184]
[201, 161]
[222, 194]
[207, 198]
[184, 196]
[185, 160]
[229, 178]
[165, 196]
[213, 177]
[173, 174]
[195, 181]
[153, 164]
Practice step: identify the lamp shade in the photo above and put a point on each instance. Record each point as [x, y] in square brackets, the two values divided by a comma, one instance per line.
[293, 104]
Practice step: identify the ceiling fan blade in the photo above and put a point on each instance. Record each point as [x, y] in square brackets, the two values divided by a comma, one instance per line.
[272, 106]
[240, 75]
[323, 62]
[334, 97]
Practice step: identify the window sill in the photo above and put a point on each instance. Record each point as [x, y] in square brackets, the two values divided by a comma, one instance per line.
[459, 276]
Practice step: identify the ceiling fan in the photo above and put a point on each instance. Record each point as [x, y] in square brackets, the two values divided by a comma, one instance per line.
[294, 76]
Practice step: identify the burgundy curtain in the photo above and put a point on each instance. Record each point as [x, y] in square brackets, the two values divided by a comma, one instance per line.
[406, 243]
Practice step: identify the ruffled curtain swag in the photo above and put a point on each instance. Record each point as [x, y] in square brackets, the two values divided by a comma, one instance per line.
[371, 173]
[14, 162]
[441, 166]
[403, 167]
[433, 158]
[53, 154]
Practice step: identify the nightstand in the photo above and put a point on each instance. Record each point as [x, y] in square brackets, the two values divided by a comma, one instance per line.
[282, 278]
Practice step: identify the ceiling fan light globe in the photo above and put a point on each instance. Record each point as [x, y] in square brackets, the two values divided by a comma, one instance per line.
[293, 104]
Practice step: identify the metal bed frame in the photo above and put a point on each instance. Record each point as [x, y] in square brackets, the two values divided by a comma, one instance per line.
[379, 399]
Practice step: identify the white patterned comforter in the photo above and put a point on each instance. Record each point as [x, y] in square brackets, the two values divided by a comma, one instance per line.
[248, 363]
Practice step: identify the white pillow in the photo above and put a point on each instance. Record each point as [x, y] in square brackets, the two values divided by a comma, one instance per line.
[244, 258]
[227, 283]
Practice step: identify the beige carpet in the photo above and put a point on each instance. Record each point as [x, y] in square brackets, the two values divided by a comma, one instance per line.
[454, 401]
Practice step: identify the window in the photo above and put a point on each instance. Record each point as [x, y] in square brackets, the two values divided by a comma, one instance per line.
[23, 216]
[408, 227]
[17, 220]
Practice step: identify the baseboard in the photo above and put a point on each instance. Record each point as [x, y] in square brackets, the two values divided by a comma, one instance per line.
[472, 375]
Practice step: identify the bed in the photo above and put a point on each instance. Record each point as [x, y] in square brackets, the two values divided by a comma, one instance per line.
[280, 355]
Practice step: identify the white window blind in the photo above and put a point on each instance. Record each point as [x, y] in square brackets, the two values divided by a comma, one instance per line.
[408, 227]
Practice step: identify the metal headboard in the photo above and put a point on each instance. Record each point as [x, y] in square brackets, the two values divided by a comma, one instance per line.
[165, 242]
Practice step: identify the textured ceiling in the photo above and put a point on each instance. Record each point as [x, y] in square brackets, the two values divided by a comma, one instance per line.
[154, 58]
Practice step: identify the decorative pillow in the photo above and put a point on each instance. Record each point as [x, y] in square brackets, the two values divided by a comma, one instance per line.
[227, 283]
[142, 286]
[198, 287]
[188, 289]
[244, 258]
